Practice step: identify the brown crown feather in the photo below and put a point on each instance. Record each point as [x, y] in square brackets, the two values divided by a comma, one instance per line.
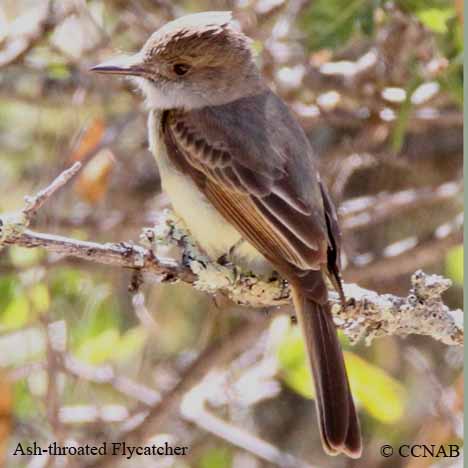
[204, 38]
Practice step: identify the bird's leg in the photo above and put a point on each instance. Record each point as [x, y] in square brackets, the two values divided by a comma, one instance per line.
[227, 257]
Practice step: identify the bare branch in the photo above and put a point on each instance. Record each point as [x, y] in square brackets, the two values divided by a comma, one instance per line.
[193, 409]
[17, 46]
[424, 252]
[107, 375]
[368, 211]
[34, 203]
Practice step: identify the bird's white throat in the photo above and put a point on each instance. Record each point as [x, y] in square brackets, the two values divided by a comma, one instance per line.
[168, 97]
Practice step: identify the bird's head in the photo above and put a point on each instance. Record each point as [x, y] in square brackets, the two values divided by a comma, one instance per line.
[191, 62]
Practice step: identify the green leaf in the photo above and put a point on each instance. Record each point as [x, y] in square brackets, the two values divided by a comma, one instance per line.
[415, 6]
[8, 285]
[66, 282]
[16, 313]
[454, 264]
[436, 18]
[379, 394]
[397, 137]
[39, 297]
[216, 457]
[101, 312]
[330, 23]
[100, 348]
[365, 21]
[58, 71]
[24, 405]
[292, 359]
[130, 343]
[22, 257]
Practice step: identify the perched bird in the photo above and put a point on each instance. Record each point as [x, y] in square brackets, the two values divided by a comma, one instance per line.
[242, 175]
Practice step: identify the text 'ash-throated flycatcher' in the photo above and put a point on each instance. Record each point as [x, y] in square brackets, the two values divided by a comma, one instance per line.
[237, 166]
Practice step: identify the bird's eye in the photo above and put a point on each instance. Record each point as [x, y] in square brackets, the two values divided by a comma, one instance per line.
[181, 68]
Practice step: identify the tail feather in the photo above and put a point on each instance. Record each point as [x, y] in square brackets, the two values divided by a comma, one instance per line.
[339, 425]
[353, 443]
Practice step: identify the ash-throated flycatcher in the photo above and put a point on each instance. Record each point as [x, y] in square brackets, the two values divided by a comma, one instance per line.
[240, 172]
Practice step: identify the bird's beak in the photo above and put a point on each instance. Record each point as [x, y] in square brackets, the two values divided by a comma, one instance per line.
[124, 65]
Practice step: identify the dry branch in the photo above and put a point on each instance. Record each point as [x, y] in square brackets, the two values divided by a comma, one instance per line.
[193, 409]
[425, 252]
[47, 18]
[368, 211]
[367, 315]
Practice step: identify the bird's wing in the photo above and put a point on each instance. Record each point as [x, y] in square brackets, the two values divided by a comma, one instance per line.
[254, 164]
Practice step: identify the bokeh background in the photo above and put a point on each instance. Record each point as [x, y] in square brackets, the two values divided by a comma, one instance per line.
[378, 88]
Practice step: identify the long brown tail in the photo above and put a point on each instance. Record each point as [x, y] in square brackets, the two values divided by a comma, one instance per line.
[339, 425]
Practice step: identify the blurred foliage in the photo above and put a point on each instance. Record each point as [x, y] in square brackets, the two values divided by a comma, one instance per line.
[111, 346]
[334, 23]
[215, 457]
[376, 392]
[454, 264]
[331, 24]
[6, 410]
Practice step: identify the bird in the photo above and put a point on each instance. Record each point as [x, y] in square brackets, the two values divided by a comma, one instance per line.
[242, 175]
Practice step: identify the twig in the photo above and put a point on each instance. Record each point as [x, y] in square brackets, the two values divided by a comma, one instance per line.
[193, 409]
[107, 375]
[18, 46]
[368, 211]
[34, 203]
[425, 252]
[52, 397]
[370, 315]
[13, 225]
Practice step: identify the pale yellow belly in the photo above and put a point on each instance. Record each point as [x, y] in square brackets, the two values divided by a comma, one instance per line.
[211, 231]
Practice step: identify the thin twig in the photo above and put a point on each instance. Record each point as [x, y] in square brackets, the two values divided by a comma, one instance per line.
[34, 203]
[194, 410]
[365, 212]
[424, 253]
[107, 375]
[17, 47]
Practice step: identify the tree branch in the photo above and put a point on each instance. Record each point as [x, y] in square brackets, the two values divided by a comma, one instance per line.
[47, 18]
[34, 203]
[367, 315]
[193, 409]
[364, 212]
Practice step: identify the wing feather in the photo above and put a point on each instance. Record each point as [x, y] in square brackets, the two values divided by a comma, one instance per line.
[261, 179]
